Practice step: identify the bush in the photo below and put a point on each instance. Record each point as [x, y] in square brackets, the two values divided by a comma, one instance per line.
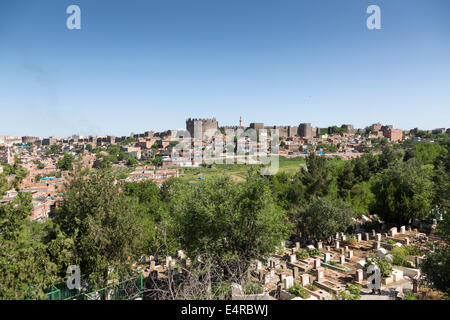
[399, 257]
[382, 263]
[352, 240]
[314, 252]
[354, 292]
[302, 254]
[298, 291]
[254, 288]
[409, 295]
[412, 251]
[311, 287]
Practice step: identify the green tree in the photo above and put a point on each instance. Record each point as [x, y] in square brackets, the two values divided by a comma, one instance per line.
[229, 223]
[132, 161]
[387, 158]
[66, 163]
[345, 181]
[54, 149]
[402, 192]
[325, 217]
[103, 224]
[152, 214]
[425, 152]
[25, 267]
[436, 268]
[317, 176]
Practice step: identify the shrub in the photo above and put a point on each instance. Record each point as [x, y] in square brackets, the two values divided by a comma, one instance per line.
[412, 251]
[302, 254]
[399, 257]
[254, 288]
[409, 295]
[314, 252]
[354, 292]
[298, 291]
[311, 287]
[351, 240]
[382, 263]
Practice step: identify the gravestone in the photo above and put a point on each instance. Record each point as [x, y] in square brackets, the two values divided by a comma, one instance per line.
[319, 273]
[415, 287]
[402, 230]
[337, 244]
[168, 260]
[407, 241]
[378, 237]
[258, 265]
[326, 257]
[261, 275]
[288, 282]
[358, 237]
[152, 265]
[297, 245]
[292, 258]
[361, 264]
[346, 248]
[381, 253]
[295, 272]
[181, 254]
[319, 245]
[359, 275]
[376, 245]
[350, 254]
[344, 238]
[342, 259]
[366, 236]
[373, 233]
[393, 231]
[304, 279]
[317, 263]
[272, 273]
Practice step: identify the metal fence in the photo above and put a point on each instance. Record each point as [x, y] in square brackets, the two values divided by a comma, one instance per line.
[129, 289]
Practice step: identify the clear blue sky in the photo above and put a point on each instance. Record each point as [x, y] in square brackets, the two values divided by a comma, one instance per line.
[148, 65]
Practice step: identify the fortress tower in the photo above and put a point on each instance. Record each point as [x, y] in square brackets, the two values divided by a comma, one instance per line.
[206, 124]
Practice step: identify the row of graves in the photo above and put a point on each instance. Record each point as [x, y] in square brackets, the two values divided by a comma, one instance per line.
[317, 271]
[321, 272]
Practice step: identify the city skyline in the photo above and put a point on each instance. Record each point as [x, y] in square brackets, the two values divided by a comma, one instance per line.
[140, 65]
[240, 123]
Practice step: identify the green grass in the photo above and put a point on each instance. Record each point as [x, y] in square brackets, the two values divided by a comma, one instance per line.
[237, 171]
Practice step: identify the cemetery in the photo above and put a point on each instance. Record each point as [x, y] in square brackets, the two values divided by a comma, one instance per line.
[309, 270]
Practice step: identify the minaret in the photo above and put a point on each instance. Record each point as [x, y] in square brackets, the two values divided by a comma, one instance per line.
[9, 158]
[240, 121]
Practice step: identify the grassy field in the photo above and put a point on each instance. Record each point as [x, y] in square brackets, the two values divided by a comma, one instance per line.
[237, 171]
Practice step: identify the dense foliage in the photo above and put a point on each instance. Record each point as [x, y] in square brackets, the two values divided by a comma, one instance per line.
[104, 225]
